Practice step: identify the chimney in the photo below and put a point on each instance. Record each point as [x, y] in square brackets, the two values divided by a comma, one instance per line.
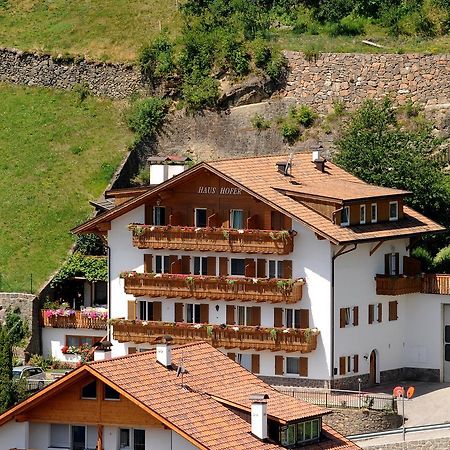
[103, 351]
[259, 415]
[164, 351]
[163, 168]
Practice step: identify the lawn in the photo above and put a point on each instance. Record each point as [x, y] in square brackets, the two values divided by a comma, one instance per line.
[55, 154]
[99, 29]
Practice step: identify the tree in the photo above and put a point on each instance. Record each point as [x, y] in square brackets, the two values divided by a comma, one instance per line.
[16, 327]
[376, 147]
[6, 388]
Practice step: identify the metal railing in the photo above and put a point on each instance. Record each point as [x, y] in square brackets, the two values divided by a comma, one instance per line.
[335, 398]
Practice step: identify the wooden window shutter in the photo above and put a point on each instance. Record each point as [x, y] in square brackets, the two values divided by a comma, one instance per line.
[393, 310]
[278, 317]
[148, 260]
[256, 316]
[204, 313]
[386, 263]
[157, 311]
[261, 268]
[179, 312]
[304, 318]
[148, 214]
[231, 356]
[211, 265]
[131, 350]
[380, 312]
[174, 264]
[342, 365]
[397, 264]
[355, 316]
[371, 313]
[186, 264]
[279, 363]
[355, 363]
[342, 318]
[303, 366]
[250, 268]
[230, 315]
[131, 310]
[255, 363]
[223, 266]
[287, 268]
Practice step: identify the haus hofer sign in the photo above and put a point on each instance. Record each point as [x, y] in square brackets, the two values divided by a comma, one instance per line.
[221, 191]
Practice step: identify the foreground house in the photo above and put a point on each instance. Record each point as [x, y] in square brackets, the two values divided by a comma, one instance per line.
[190, 397]
[293, 267]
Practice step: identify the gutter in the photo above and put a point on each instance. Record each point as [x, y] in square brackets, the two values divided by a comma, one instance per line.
[341, 252]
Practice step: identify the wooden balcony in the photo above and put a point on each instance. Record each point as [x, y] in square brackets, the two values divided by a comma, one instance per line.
[214, 288]
[436, 284]
[76, 320]
[398, 284]
[244, 338]
[213, 239]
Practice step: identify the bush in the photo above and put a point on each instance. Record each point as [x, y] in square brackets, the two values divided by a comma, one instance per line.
[261, 53]
[338, 107]
[234, 56]
[425, 258]
[82, 90]
[441, 261]
[276, 67]
[142, 178]
[200, 92]
[290, 131]
[259, 122]
[311, 53]
[333, 10]
[40, 361]
[146, 116]
[303, 115]
[348, 26]
[156, 59]
[90, 244]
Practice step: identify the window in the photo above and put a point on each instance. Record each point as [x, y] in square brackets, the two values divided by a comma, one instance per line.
[244, 315]
[348, 317]
[200, 218]
[78, 437]
[292, 317]
[245, 360]
[393, 310]
[59, 436]
[391, 263]
[192, 313]
[276, 269]
[393, 210]
[162, 264]
[145, 310]
[292, 365]
[374, 213]
[375, 311]
[131, 439]
[237, 266]
[348, 364]
[200, 265]
[301, 432]
[159, 215]
[345, 216]
[110, 393]
[79, 341]
[362, 214]
[237, 219]
[89, 391]
[75, 437]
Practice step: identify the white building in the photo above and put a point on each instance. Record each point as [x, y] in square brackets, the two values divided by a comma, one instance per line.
[294, 268]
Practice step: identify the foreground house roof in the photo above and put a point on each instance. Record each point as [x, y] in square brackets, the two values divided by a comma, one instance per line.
[259, 177]
[196, 406]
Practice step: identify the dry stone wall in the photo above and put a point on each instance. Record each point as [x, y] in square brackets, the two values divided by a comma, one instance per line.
[424, 444]
[355, 77]
[104, 79]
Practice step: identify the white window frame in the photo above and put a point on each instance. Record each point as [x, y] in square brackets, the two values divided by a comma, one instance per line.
[231, 219]
[347, 223]
[246, 311]
[163, 270]
[291, 323]
[70, 435]
[396, 210]
[146, 315]
[195, 306]
[362, 214]
[278, 268]
[195, 216]
[374, 217]
[349, 316]
[297, 364]
[130, 438]
[89, 398]
[201, 265]
[231, 268]
[376, 313]
[154, 214]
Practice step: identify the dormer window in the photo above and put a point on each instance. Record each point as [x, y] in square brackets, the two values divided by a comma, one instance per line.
[374, 213]
[237, 219]
[345, 216]
[300, 433]
[362, 214]
[393, 210]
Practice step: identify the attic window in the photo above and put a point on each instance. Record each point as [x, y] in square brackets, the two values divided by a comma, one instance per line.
[393, 210]
[111, 394]
[89, 391]
[345, 216]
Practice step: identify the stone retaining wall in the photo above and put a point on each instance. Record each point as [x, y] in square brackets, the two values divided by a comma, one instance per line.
[33, 69]
[29, 309]
[355, 77]
[425, 444]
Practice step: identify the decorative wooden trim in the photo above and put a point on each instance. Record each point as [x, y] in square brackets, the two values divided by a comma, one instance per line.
[374, 249]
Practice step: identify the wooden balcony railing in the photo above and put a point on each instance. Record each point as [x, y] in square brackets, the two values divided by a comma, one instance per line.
[398, 285]
[76, 320]
[214, 288]
[244, 338]
[436, 284]
[213, 239]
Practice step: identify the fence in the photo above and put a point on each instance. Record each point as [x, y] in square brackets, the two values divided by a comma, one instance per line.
[334, 398]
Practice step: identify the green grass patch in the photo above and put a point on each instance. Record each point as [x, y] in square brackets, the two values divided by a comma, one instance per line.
[56, 154]
[106, 29]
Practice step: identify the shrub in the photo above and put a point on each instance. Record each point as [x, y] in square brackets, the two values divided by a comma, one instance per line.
[156, 60]
[146, 116]
[40, 361]
[338, 107]
[200, 92]
[259, 122]
[311, 53]
[412, 109]
[82, 90]
[261, 53]
[234, 56]
[276, 67]
[142, 178]
[333, 10]
[348, 26]
[290, 131]
[303, 115]
[90, 244]
[425, 258]
[441, 261]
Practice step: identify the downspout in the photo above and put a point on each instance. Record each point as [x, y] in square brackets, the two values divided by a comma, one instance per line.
[108, 295]
[334, 257]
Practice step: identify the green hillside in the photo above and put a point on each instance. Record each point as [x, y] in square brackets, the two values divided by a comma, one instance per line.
[106, 29]
[56, 154]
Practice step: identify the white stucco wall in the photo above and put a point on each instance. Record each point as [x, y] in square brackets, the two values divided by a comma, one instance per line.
[14, 435]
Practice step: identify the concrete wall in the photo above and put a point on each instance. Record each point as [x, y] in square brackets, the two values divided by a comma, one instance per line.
[14, 435]
[425, 444]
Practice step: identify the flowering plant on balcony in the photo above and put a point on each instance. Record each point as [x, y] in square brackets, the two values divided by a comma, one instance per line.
[82, 350]
[95, 313]
[60, 312]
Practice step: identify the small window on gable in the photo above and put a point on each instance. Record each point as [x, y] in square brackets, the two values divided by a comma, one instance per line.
[362, 214]
[374, 213]
[111, 394]
[89, 391]
[345, 216]
[393, 210]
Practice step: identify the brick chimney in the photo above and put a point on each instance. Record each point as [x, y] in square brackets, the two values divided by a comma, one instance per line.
[259, 415]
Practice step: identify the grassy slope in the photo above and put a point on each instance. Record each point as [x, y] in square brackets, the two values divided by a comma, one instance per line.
[55, 155]
[99, 29]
